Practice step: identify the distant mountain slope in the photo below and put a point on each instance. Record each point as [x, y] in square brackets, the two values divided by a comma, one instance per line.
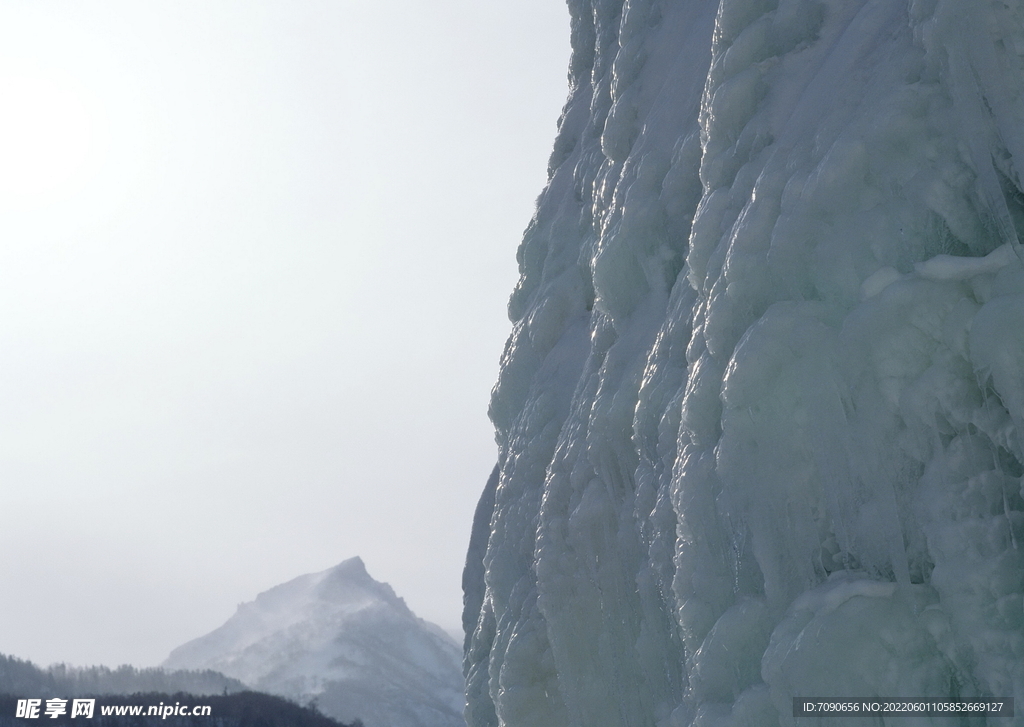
[347, 641]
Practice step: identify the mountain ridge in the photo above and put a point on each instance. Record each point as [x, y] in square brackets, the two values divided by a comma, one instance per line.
[343, 639]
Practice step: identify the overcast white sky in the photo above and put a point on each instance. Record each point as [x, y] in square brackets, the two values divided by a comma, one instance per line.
[254, 261]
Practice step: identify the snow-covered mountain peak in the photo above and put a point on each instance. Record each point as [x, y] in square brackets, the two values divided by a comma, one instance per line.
[344, 638]
[344, 589]
[349, 581]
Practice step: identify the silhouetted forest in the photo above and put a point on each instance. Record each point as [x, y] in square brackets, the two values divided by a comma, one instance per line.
[21, 677]
[231, 703]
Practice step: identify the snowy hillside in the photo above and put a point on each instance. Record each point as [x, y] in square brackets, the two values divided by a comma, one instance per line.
[760, 415]
[344, 639]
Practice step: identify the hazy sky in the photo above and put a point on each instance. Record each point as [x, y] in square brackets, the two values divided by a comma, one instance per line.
[254, 260]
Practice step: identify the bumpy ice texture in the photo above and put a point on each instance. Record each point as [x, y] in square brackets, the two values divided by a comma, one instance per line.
[760, 413]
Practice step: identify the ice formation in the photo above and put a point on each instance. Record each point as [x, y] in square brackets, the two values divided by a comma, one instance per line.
[343, 639]
[759, 418]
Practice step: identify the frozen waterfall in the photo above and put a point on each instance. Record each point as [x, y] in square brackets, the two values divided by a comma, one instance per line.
[760, 414]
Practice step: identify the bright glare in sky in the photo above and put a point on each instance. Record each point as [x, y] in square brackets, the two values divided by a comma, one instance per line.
[72, 129]
[50, 138]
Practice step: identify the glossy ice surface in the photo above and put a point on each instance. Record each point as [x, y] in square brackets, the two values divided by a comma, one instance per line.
[760, 413]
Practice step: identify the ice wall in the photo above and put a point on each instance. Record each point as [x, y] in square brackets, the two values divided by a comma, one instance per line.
[760, 413]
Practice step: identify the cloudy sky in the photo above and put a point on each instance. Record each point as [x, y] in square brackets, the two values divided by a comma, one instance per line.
[254, 260]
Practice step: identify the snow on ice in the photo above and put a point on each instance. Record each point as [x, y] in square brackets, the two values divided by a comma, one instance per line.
[760, 413]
